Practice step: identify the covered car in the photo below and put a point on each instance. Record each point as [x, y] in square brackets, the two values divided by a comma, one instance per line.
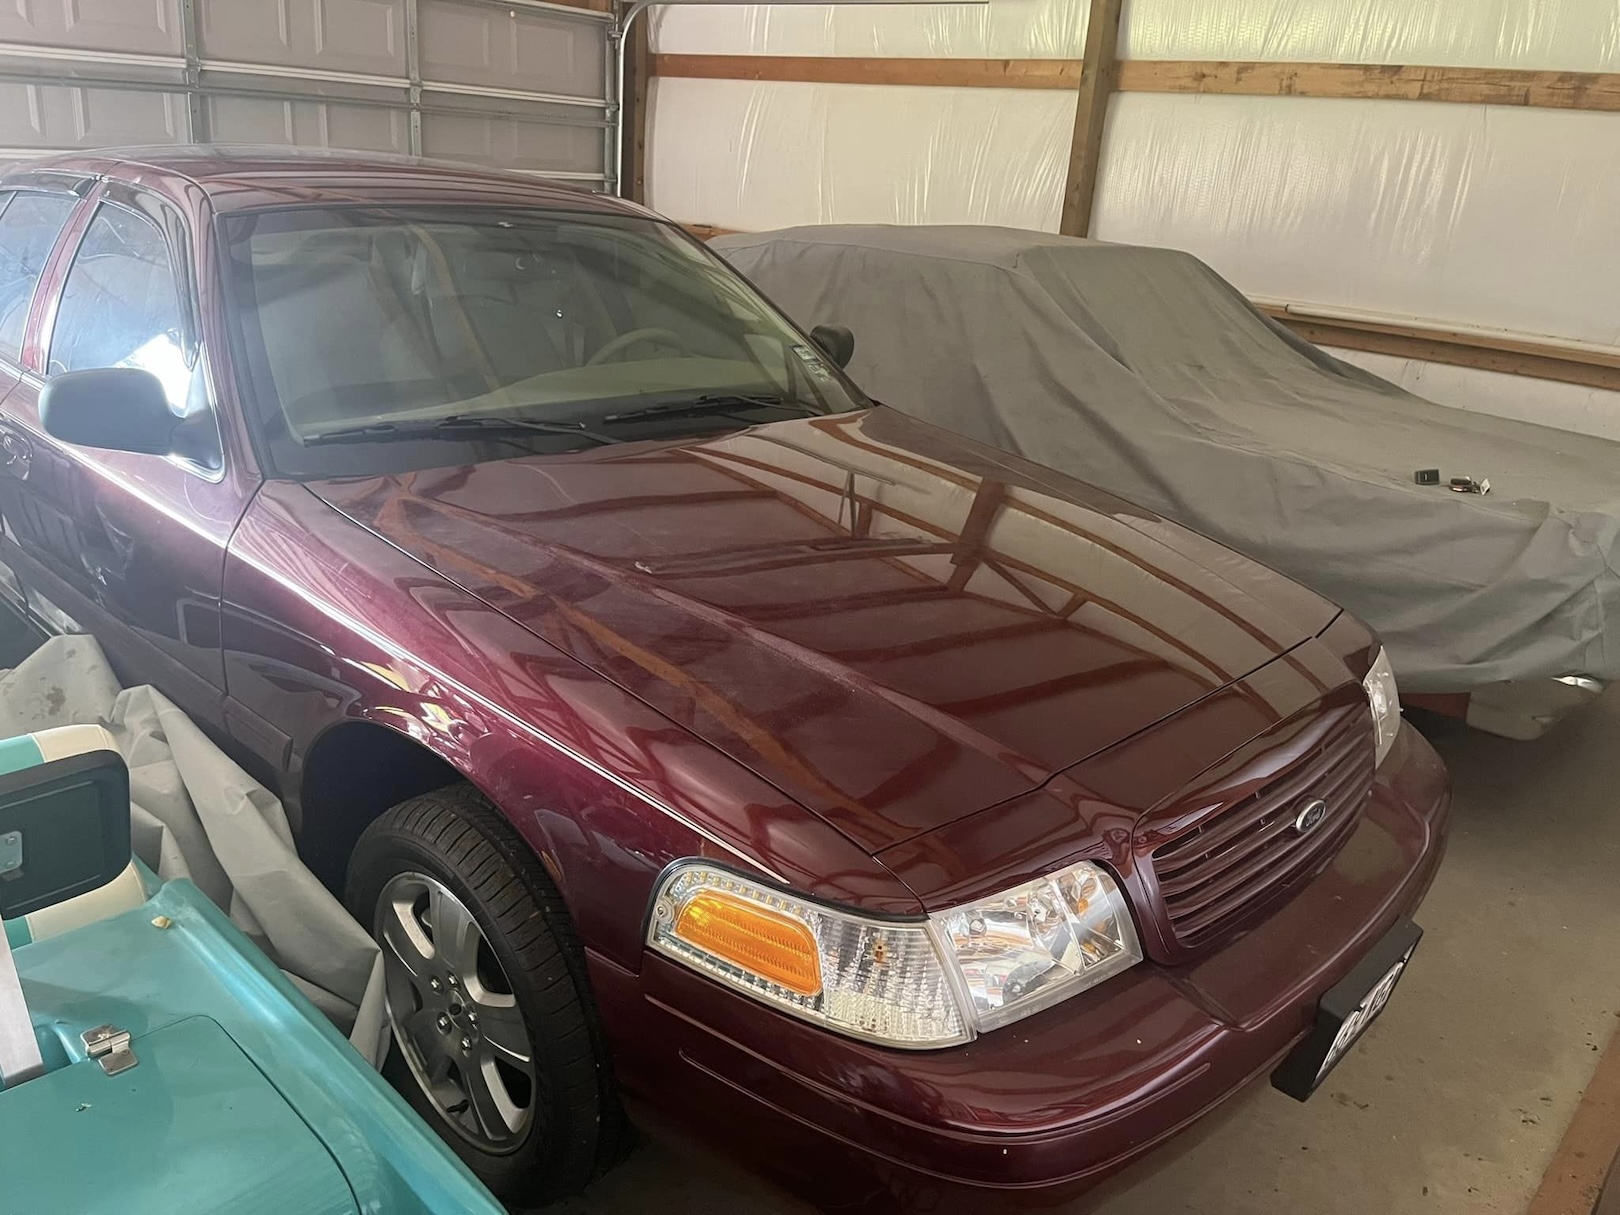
[1142, 371]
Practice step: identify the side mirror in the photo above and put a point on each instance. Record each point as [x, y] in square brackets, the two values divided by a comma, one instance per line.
[64, 822]
[836, 342]
[119, 408]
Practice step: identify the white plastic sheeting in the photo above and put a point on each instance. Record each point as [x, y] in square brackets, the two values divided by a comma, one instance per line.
[1481, 215]
[1408, 208]
[196, 815]
[760, 155]
[1002, 29]
[1563, 35]
[1478, 215]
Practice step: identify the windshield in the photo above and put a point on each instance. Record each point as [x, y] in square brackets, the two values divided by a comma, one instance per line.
[384, 339]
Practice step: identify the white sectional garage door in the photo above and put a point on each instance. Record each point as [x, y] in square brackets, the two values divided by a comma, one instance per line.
[518, 83]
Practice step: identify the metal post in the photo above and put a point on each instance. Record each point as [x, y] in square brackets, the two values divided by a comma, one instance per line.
[196, 103]
[619, 40]
[612, 137]
[413, 70]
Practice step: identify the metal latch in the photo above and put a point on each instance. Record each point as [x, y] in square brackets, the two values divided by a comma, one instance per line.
[11, 856]
[110, 1045]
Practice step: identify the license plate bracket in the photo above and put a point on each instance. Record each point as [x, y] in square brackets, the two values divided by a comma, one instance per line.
[1346, 1011]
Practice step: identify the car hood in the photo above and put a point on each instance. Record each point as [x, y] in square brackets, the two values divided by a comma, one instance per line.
[895, 626]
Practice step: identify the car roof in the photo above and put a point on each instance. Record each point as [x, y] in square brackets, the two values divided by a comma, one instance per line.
[241, 177]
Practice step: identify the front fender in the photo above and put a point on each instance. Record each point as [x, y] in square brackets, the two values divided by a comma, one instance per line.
[346, 628]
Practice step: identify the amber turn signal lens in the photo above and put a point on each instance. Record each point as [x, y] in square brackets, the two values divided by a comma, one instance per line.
[761, 941]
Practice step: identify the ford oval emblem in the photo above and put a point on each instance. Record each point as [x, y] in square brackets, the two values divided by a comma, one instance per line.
[1310, 816]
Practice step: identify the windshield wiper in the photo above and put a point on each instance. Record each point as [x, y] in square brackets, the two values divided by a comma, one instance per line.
[711, 403]
[459, 426]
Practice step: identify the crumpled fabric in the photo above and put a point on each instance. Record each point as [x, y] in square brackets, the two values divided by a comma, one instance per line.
[195, 814]
[1142, 372]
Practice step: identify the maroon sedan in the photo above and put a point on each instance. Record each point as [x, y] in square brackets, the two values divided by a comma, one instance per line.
[692, 733]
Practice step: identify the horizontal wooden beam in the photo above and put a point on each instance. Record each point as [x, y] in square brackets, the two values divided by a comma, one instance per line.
[1388, 82]
[1397, 82]
[850, 69]
[1506, 353]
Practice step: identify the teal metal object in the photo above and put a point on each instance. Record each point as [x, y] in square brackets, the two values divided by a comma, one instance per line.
[129, 972]
[19, 753]
[235, 1093]
[222, 1137]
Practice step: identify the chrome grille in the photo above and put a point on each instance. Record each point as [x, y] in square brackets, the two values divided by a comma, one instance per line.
[1244, 854]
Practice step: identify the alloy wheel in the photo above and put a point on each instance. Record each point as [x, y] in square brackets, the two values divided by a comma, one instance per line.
[453, 1013]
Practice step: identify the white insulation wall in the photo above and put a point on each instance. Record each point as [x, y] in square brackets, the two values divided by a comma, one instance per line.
[1492, 216]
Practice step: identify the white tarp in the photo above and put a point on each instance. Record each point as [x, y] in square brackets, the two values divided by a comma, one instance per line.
[1001, 29]
[1493, 216]
[1401, 208]
[1140, 371]
[196, 815]
[1559, 35]
[865, 153]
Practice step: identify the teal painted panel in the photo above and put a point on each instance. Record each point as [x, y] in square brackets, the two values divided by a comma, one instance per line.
[192, 1127]
[19, 753]
[130, 973]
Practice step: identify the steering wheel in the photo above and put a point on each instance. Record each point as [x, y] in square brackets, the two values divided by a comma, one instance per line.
[635, 337]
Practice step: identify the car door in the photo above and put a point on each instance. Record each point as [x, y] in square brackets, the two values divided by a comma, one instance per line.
[139, 554]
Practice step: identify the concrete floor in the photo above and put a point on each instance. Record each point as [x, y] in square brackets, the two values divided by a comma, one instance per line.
[1457, 1097]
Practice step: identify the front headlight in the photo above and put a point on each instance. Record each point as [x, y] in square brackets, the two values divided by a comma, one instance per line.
[1040, 943]
[1385, 701]
[907, 983]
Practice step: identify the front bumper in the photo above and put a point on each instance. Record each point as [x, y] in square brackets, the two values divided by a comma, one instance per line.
[1052, 1104]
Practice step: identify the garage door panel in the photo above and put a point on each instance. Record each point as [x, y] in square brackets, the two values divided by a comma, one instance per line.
[22, 116]
[364, 36]
[517, 48]
[109, 116]
[42, 116]
[512, 142]
[367, 127]
[316, 73]
[314, 124]
[146, 26]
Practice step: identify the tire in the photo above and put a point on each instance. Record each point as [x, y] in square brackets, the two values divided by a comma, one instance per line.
[533, 1134]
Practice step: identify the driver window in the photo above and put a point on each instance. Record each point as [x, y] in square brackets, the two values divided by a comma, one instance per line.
[120, 306]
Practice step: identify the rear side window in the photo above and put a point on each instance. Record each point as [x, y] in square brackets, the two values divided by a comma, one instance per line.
[29, 227]
[120, 306]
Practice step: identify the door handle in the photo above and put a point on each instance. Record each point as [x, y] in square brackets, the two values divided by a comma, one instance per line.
[16, 453]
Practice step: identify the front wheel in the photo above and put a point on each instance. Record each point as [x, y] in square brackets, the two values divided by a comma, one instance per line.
[495, 1041]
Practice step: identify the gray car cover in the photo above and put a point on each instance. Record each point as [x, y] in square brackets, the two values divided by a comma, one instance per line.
[1143, 372]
